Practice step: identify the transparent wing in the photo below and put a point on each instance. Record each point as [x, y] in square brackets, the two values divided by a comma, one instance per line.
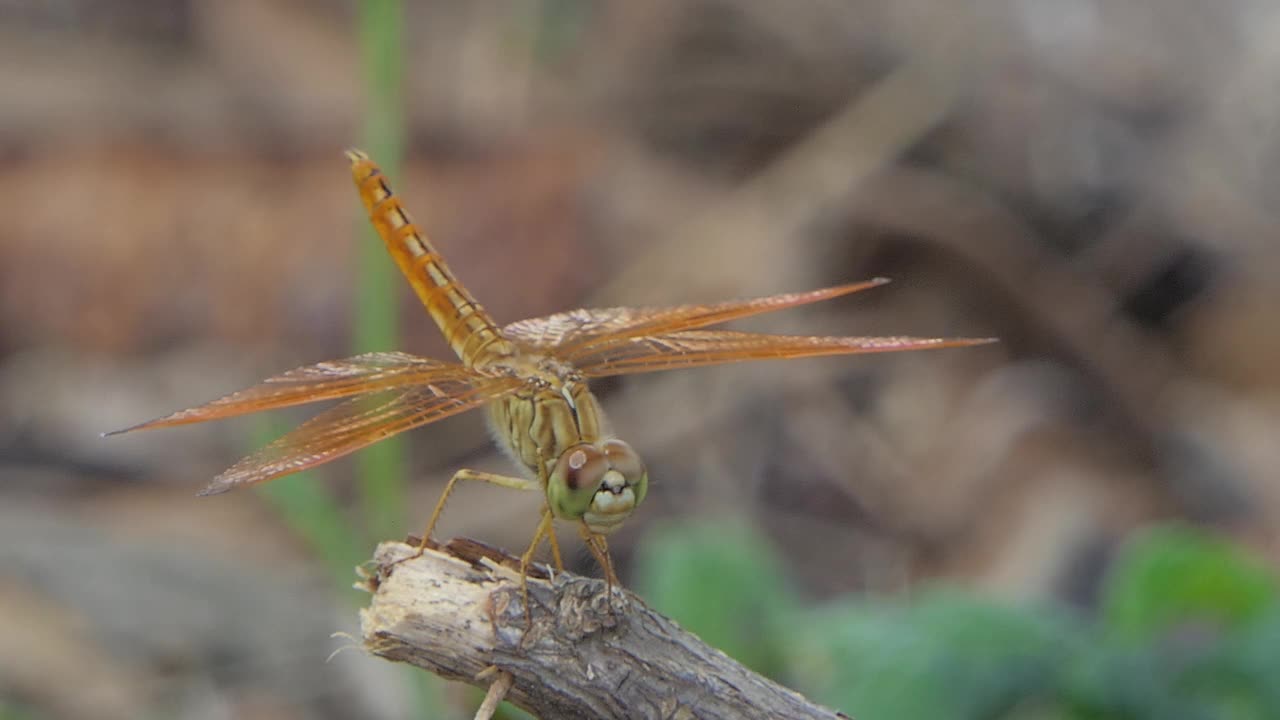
[357, 375]
[358, 423]
[696, 348]
[577, 333]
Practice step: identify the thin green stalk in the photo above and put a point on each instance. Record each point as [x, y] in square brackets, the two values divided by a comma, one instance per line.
[307, 506]
[311, 511]
[382, 469]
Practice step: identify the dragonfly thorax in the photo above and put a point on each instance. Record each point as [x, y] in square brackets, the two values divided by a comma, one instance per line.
[542, 419]
[554, 427]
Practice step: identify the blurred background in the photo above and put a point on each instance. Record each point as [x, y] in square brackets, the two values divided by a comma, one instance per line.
[1078, 522]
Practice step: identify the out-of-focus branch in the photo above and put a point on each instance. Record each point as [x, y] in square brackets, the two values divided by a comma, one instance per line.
[458, 612]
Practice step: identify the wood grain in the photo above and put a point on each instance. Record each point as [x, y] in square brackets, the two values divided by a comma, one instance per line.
[457, 612]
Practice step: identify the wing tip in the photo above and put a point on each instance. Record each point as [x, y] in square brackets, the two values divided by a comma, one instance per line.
[217, 487]
[858, 286]
[182, 417]
[914, 343]
[959, 342]
[131, 428]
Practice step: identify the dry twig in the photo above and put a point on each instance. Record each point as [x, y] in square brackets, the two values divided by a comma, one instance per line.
[457, 612]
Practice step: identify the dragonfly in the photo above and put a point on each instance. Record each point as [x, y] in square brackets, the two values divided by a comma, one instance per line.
[531, 377]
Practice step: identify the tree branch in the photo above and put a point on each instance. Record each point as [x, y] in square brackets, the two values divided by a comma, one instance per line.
[457, 612]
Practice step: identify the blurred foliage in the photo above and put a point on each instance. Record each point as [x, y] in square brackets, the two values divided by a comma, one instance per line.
[944, 655]
[310, 511]
[1188, 627]
[1196, 577]
[14, 712]
[724, 580]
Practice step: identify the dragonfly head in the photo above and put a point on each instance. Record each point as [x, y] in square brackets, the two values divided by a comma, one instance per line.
[599, 483]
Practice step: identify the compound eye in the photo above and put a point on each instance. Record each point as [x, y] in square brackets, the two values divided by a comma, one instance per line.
[584, 467]
[625, 460]
[575, 479]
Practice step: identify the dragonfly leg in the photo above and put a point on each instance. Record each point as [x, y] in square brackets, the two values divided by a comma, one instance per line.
[503, 480]
[555, 547]
[544, 529]
[599, 547]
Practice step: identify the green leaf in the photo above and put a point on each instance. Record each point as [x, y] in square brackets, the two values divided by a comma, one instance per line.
[1241, 676]
[945, 656]
[1174, 576]
[723, 582]
[1123, 681]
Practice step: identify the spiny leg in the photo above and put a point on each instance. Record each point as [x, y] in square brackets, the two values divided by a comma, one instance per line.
[544, 529]
[610, 577]
[599, 547]
[555, 547]
[502, 480]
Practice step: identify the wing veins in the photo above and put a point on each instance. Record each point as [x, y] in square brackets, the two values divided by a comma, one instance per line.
[329, 380]
[353, 425]
[574, 334]
[700, 348]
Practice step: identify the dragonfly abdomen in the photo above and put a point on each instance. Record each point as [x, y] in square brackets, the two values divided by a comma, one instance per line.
[468, 329]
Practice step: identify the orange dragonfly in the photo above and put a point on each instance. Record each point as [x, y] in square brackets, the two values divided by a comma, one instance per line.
[530, 375]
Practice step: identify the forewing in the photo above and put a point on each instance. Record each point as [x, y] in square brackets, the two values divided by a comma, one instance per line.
[328, 380]
[358, 423]
[559, 330]
[577, 333]
[697, 348]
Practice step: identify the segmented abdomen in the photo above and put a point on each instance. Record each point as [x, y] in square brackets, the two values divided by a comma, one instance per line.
[466, 326]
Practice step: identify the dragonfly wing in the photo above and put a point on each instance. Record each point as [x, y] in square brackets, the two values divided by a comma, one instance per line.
[559, 330]
[577, 333]
[360, 422]
[697, 348]
[357, 375]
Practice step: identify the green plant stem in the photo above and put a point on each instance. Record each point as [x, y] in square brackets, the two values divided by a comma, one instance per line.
[381, 469]
[311, 511]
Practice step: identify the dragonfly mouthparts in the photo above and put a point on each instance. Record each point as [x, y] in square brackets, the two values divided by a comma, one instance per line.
[614, 482]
